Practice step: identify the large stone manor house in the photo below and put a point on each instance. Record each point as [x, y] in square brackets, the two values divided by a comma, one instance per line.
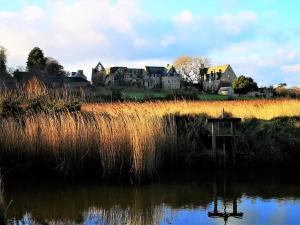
[210, 79]
[150, 77]
[153, 77]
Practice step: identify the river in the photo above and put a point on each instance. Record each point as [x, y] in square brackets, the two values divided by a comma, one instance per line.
[260, 198]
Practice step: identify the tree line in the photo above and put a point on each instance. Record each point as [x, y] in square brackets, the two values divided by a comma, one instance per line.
[37, 63]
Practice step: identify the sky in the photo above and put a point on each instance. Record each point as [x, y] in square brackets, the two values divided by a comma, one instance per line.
[258, 38]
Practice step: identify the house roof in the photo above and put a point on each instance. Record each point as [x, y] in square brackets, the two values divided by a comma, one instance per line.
[156, 70]
[76, 79]
[215, 69]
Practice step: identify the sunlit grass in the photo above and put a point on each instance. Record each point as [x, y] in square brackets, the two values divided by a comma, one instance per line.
[129, 136]
[245, 109]
[134, 140]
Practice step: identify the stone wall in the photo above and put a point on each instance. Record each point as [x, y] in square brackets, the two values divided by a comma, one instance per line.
[171, 82]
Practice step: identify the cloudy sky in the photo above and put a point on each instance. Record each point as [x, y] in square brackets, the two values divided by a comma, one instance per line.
[259, 38]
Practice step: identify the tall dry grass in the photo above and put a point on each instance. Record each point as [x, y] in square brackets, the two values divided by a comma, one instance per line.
[245, 109]
[134, 142]
[131, 137]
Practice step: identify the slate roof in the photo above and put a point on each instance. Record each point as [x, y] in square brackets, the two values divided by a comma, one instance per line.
[156, 70]
[76, 79]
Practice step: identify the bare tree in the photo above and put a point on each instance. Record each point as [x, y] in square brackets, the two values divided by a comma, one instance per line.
[189, 67]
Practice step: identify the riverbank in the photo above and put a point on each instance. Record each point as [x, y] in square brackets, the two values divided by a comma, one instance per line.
[140, 141]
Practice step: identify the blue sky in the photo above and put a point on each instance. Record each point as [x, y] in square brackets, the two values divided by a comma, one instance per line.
[259, 38]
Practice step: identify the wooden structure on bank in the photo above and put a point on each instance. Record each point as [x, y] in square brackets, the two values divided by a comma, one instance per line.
[219, 126]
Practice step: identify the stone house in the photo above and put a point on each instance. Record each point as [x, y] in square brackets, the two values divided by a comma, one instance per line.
[50, 80]
[213, 78]
[152, 77]
[77, 80]
[123, 76]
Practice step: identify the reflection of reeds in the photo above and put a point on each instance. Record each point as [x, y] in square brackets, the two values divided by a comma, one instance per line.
[118, 215]
[2, 204]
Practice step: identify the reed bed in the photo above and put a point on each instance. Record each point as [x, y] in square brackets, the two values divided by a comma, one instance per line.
[245, 109]
[131, 138]
[117, 142]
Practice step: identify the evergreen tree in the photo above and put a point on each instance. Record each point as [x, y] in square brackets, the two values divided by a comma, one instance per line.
[243, 84]
[3, 59]
[36, 60]
[54, 67]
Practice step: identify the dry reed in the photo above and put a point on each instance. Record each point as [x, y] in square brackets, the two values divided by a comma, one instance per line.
[245, 109]
[135, 137]
[119, 141]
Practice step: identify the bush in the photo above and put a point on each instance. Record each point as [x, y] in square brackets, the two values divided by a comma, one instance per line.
[280, 92]
[191, 95]
[294, 92]
[11, 107]
[116, 94]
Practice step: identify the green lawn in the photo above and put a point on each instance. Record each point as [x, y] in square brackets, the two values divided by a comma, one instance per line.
[140, 96]
[212, 97]
[133, 95]
[143, 95]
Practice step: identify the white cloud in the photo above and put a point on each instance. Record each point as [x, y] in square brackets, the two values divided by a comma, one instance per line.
[141, 42]
[235, 23]
[185, 17]
[73, 31]
[32, 13]
[263, 60]
[168, 40]
[291, 69]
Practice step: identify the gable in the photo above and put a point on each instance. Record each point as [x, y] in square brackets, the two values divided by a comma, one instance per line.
[216, 69]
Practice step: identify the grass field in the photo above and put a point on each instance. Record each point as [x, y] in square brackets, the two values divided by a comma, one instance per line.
[245, 109]
[130, 137]
[143, 95]
[161, 95]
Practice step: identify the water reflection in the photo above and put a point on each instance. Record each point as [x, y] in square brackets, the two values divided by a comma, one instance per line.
[225, 214]
[221, 200]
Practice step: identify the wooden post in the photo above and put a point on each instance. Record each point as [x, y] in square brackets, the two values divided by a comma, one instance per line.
[214, 144]
[215, 197]
[224, 151]
[234, 206]
[232, 126]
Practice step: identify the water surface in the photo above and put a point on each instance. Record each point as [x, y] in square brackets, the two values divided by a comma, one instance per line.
[220, 199]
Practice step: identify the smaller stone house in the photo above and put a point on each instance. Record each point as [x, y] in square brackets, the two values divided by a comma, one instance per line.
[77, 80]
[213, 78]
[50, 80]
[153, 77]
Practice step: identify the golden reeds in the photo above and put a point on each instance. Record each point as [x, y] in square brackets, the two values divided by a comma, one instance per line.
[245, 109]
[135, 141]
[135, 137]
